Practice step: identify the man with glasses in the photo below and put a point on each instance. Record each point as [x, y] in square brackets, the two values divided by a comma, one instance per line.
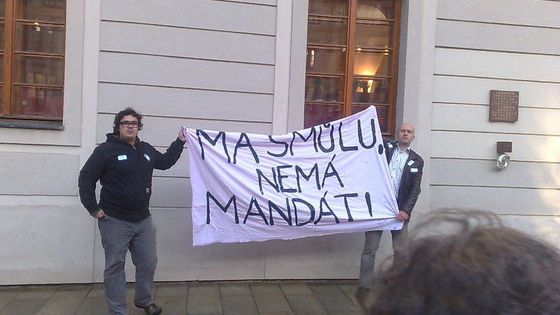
[124, 166]
[405, 168]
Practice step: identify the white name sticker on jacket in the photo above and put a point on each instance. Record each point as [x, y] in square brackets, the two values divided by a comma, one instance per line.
[414, 170]
[122, 157]
[147, 157]
[410, 163]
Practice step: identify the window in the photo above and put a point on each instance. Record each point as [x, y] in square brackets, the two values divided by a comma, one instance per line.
[32, 59]
[352, 55]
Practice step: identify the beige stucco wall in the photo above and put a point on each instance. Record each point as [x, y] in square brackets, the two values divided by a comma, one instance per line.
[239, 66]
[498, 45]
[44, 234]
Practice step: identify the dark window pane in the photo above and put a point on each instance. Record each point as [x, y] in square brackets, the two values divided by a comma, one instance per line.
[329, 7]
[372, 56]
[367, 63]
[33, 70]
[358, 108]
[326, 61]
[316, 114]
[383, 126]
[41, 10]
[324, 89]
[2, 28]
[370, 91]
[2, 8]
[381, 110]
[379, 10]
[381, 114]
[1, 67]
[39, 38]
[373, 35]
[327, 31]
[35, 101]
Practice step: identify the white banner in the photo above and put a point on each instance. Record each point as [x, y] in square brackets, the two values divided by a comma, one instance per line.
[331, 178]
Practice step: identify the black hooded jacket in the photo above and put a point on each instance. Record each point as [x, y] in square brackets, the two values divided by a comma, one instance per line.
[125, 172]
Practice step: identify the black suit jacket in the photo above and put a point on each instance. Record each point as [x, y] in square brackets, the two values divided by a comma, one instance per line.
[409, 187]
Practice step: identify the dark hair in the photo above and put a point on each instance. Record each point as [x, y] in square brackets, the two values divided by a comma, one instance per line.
[126, 112]
[482, 268]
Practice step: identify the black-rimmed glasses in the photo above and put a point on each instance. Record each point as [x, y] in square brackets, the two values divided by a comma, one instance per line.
[126, 123]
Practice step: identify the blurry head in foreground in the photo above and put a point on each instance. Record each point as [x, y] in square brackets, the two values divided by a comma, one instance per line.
[481, 268]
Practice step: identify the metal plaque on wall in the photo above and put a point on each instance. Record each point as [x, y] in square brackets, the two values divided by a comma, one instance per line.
[504, 106]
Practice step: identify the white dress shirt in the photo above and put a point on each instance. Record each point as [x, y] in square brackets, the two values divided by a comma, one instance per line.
[396, 167]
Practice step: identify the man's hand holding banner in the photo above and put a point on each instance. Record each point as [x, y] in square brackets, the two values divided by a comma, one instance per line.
[327, 179]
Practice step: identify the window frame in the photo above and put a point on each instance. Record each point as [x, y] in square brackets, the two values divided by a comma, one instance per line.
[80, 85]
[349, 76]
[8, 109]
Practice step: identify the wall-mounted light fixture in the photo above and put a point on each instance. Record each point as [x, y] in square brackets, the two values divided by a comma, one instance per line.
[503, 148]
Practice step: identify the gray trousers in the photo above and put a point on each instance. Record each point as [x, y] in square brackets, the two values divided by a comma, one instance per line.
[117, 237]
[367, 263]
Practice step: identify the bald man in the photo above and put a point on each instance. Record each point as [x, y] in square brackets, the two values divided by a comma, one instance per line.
[405, 168]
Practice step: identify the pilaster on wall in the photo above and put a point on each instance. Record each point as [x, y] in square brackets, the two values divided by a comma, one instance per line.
[90, 65]
[281, 104]
[298, 46]
[416, 75]
[89, 98]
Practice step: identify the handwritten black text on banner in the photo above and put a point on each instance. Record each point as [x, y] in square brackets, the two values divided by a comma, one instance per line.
[327, 179]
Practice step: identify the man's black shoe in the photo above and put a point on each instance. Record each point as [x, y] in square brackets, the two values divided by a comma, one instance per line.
[152, 309]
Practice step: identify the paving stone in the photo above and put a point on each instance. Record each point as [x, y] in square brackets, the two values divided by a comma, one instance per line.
[306, 304]
[296, 288]
[172, 297]
[36, 292]
[29, 301]
[65, 300]
[173, 305]
[28, 307]
[92, 306]
[205, 288]
[7, 294]
[334, 299]
[239, 305]
[265, 288]
[96, 291]
[227, 289]
[172, 289]
[270, 299]
[277, 313]
[204, 298]
[349, 290]
[95, 303]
